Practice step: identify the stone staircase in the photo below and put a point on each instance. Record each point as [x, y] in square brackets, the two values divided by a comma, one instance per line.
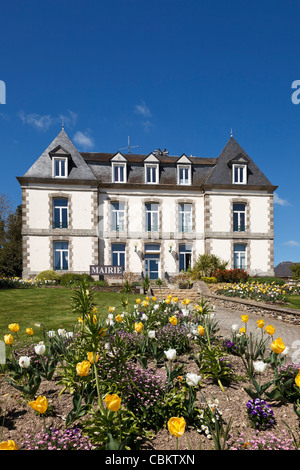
[193, 294]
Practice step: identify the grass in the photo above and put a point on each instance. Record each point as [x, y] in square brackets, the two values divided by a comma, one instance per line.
[49, 306]
[294, 301]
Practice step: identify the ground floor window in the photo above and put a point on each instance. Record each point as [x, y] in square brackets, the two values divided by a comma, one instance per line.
[185, 257]
[118, 252]
[239, 256]
[152, 260]
[61, 255]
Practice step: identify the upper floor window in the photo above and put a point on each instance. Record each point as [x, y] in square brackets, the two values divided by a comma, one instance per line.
[185, 217]
[61, 255]
[118, 216]
[152, 217]
[151, 173]
[239, 217]
[60, 167]
[119, 172]
[184, 174]
[239, 174]
[60, 213]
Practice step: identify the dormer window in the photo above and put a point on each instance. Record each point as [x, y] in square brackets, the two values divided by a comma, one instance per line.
[119, 169]
[119, 172]
[239, 168]
[60, 167]
[184, 170]
[239, 174]
[151, 173]
[60, 162]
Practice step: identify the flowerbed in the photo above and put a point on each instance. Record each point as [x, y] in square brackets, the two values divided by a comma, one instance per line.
[258, 291]
[157, 376]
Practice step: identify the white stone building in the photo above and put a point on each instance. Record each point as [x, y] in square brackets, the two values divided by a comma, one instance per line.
[152, 214]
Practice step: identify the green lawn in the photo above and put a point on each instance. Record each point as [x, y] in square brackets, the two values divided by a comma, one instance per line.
[294, 301]
[49, 306]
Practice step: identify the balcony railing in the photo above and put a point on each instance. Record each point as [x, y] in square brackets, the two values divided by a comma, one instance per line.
[239, 228]
[118, 228]
[60, 224]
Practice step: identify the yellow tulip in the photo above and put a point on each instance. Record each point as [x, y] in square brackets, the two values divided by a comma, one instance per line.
[145, 303]
[278, 346]
[243, 330]
[14, 327]
[260, 323]
[91, 357]
[8, 339]
[154, 299]
[8, 445]
[297, 379]
[40, 404]
[138, 301]
[83, 368]
[168, 301]
[119, 318]
[138, 327]
[176, 426]
[113, 402]
[244, 318]
[201, 330]
[175, 299]
[270, 330]
[29, 331]
[173, 320]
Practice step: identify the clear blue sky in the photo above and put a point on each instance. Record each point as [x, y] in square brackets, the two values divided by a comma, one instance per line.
[171, 74]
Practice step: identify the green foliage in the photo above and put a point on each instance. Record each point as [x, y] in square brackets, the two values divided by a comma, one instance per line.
[48, 275]
[73, 279]
[11, 244]
[206, 265]
[295, 268]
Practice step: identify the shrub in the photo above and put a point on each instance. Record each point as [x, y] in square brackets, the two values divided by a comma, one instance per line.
[48, 275]
[231, 275]
[209, 279]
[70, 279]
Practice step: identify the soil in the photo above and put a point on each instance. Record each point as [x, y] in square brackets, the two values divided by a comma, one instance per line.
[18, 419]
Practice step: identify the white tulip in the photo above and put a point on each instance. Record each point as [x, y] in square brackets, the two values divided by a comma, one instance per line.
[260, 366]
[40, 349]
[51, 333]
[61, 332]
[192, 379]
[235, 327]
[170, 354]
[24, 362]
[151, 334]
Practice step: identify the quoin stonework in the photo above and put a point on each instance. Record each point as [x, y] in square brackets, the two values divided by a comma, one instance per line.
[150, 214]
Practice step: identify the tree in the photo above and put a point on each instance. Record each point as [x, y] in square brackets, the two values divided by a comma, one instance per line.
[11, 244]
[295, 268]
[206, 265]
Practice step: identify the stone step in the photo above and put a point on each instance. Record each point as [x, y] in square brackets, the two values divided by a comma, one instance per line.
[179, 293]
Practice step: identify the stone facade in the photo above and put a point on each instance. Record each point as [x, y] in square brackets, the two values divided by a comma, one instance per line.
[82, 209]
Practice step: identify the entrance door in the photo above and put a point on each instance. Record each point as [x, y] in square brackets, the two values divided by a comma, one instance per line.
[152, 266]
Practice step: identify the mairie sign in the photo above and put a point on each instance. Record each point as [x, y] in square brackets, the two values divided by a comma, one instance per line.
[106, 270]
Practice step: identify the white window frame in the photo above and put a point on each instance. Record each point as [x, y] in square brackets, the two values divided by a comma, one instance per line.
[60, 209]
[153, 213]
[186, 181]
[241, 176]
[118, 227]
[61, 251]
[60, 160]
[118, 253]
[183, 227]
[241, 256]
[239, 227]
[153, 166]
[118, 165]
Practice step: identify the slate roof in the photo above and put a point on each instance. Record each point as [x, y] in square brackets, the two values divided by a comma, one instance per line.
[283, 269]
[96, 167]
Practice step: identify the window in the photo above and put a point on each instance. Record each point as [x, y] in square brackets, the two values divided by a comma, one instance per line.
[239, 217]
[239, 256]
[185, 257]
[152, 224]
[119, 172]
[239, 174]
[118, 254]
[61, 255]
[60, 213]
[184, 174]
[60, 167]
[118, 216]
[151, 173]
[185, 218]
